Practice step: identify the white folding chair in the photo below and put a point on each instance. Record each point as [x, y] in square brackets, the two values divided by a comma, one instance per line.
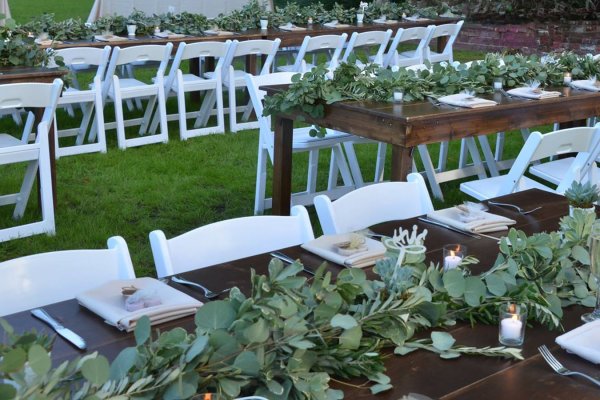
[408, 57]
[90, 101]
[302, 141]
[582, 166]
[374, 204]
[235, 78]
[179, 84]
[331, 45]
[537, 147]
[449, 30]
[120, 89]
[41, 279]
[366, 41]
[229, 240]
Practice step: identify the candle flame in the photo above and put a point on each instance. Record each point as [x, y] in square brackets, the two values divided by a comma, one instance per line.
[515, 317]
[452, 253]
[512, 308]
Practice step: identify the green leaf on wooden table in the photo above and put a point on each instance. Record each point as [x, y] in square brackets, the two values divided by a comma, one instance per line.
[350, 338]
[121, 365]
[258, 332]
[218, 314]
[197, 347]
[495, 284]
[442, 341]
[248, 363]
[380, 388]
[454, 282]
[343, 321]
[96, 370]
[183, 388]
[7, 391]
[448, 355]
[39, 360]
[474, 291]
[142, 330]
[13, 361]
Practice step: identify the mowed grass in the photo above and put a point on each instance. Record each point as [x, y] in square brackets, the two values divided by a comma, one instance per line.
[174, 187]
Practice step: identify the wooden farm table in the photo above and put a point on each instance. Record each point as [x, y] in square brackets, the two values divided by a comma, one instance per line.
[467, 377]
[36, 75]
[406, 125]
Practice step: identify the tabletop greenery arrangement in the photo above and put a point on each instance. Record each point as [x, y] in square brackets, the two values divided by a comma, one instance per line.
[292, 336]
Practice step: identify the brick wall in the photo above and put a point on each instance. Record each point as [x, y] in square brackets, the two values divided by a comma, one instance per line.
[534, 37]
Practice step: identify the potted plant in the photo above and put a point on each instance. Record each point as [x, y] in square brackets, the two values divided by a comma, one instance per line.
[582, 196]
[360, 14]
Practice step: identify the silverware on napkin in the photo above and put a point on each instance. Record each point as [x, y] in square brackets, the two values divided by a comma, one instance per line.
[287, 259]
[209, 294]
[66, 333]
[466, 233]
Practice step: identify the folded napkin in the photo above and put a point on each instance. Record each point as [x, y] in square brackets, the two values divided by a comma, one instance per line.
[335, 24]
[384, 21]
[466, 100]
[169, 35]
[583, 341]
[108, 302]
[471, 221]
[47, 42]
[108, 38]
[415, 18]
[586, 84]
[529, 93]
[325, 246]
[291, 27]
[218, 32]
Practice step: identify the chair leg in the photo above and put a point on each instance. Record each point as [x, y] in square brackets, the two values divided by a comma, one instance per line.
[443, 158]
[162, 110]
[353, 163]
[499, 152]
[380, 164]
[261, 181]
[487, 154]
[313, 165]
[119, 119]
[207, 105]
[88, 109]
[232, 108]
[430, 173]
[474, 152]
[26, 187]
[337, 156]
[182, 114]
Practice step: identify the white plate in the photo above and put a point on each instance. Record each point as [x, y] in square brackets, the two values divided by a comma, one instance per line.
[583, 341]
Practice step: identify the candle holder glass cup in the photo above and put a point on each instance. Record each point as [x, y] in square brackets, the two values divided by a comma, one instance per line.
[513, 319]
[453, 254]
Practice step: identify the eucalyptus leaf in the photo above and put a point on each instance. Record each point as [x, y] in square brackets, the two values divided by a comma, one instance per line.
[454, 282]
[343, 321]
[121, 365]
[215, 315]
[96, 370]
[248, 363]
[142, 330]
[442, 340]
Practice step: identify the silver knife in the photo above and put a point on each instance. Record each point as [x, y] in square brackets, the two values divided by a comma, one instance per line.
[66, 333]
[289, 260]
[449, 227]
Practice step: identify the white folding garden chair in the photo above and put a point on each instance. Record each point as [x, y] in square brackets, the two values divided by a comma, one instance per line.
[405, 58]
[330, 45]
[447, 54]
[229, 240]
[41, 279]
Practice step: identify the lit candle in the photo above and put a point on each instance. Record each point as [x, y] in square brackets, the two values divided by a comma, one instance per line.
[398, 96]
[510, 328]
[157, 29]
[310, 20]
[567, 78]
[498, 84]
[452, 261]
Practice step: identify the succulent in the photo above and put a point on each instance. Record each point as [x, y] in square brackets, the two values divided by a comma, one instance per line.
[582, 195]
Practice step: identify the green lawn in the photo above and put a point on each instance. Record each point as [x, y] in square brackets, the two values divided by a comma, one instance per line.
[174, 187]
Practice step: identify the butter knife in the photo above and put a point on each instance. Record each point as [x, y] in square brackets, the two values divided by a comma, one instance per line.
[66, 333]
[429, 221]
[289, 260]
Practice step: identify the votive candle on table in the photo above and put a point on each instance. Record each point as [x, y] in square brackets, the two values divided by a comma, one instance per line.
[453, 255]
[157, 29]
[567, 78]
[512, 324]
[398, 96]
[497, 84]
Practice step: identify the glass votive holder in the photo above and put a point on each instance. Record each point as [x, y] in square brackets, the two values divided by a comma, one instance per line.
[453, 255]
[398, 96]
[513, 319]
[497, 83]
[567, 78]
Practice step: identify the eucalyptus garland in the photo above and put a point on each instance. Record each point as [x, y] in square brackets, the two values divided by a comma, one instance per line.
[291, 335]
[355, 81]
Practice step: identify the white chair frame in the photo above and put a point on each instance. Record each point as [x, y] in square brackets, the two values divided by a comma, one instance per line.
[228, 240]
[41, 279]
[332, 44]
[409, 57]
[450, 30]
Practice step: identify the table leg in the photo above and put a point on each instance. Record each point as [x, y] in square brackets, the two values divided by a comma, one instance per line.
[402, 158]
[282, 166]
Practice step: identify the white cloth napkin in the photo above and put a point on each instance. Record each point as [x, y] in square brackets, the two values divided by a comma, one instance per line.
[291, 27]
[586, 85]
[108, 302]
[108, 38]
[324, 246]
[218, 32]
[474, 221]
[169, 35]
[384, 21]
[415, 18]
[465, 100]
[528, 93]
[335, 24]
[583, 341]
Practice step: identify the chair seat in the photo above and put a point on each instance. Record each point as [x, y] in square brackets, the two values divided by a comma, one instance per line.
[191, 81]
[554, 171]
[484, 189]
[408, 54]
[9, 140]
[134, 88]
[72, 95]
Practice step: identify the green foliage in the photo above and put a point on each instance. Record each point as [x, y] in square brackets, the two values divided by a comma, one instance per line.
[582, 195]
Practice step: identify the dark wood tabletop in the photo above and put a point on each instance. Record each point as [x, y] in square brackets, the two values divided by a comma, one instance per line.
[406, 125]
[468, 377]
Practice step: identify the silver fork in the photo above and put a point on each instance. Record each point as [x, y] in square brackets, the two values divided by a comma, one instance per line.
[516, 207]
[209, 294]
[559, 368]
